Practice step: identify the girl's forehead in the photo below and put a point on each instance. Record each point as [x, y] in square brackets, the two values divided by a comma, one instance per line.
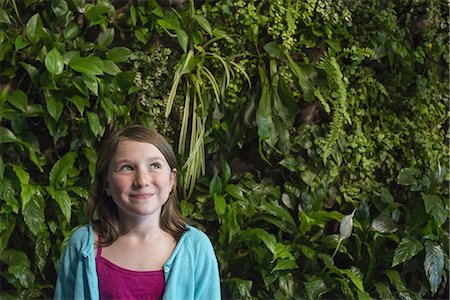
[137, 149]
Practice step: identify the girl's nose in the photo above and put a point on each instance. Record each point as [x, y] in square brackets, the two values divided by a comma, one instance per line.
[142, 178]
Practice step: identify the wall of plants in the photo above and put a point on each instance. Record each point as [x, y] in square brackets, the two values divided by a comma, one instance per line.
[312, 135]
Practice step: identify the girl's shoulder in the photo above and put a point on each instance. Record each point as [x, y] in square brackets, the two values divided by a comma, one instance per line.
[196, 236]
[82, 237]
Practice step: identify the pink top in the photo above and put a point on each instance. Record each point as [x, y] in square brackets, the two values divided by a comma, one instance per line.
[115, 282]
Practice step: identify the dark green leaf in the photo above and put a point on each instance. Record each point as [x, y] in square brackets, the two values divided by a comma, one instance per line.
[8, 222]
[8, 193]
[91, 65]
[204, 24]
[183, 39]
[125, 80]
[33, 208]
[433, 264]
[386, 196]
[220, 204]
[215, 187]
[303, 80]
[32, 71]
[80, 103]
[19, 99]
[33, 28]
[71, 31]
[384, 224]
[285, 264]
[54, 106]
[106, 38]
[169, 21]
[407, 248]
[119, 54]
[24, 176]
[434, 206]
[59, 7]
[94, 123]
[4, 18]
[315, 287]
[60, 170]
[225, 168]
[42, 248]
[273, 49]
[20, 43]
[110, 67]
[54, 62]
[18, 266]
[406, 177]
[63, 199]
[6, 136]
[235, 191]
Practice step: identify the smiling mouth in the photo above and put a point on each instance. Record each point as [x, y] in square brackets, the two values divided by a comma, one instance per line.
[142, 196]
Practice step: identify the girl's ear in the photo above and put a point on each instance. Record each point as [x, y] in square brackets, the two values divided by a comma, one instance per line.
[173, 175]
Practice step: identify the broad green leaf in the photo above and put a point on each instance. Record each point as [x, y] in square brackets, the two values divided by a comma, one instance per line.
[109, 67]
[435, 208]
[20, 43]
[235, 191]
[60, 170]
[4, 18]
[433, 264]
[225, 168]
[273, 49]
[80, 103]
[406, 177]
[63, 199]
[356, 280]
[94, 123]
[315, 287]
[183, 39]
[54, 62]
[125, 80]
[215, 187]
[91, 65]
[33, 208]
[169, 21]
[54, 106]
[8, 222]
[303, 80]
[384, 224]
[383, 291]
[220, 204]
[71, 31]
[33, 28]
[7, 136]
[8, 193]
[285, 264]
[386, 196]
[59, 7]
[98, 13]
[204, 24]
[18, 266]
[119, 54]
[32, 71]
[308, 177]
[41, 249]
[407, 248]
[24, 176]
[106, 38]
[19, 99]
[395, 279]
[91, 82]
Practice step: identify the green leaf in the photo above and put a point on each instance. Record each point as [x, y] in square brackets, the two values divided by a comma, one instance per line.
[4, 18]
[433, 264]
[41, 249]
[6, 136]
[225, 168]
[235, 191]
[220, 204]
[91, 82]
[71, 31]
[125, 80]
[183, 39]
[119, 54]
[315, 287]
[109, 67]
[308, 177]
[384, 224]
[407, 248]
[273, 49]
[303, 80]
[94, 123]
[356, 280]
[80, 103]
[406, 177]
[19, 99]
[54, 107]
[33, 208]
[59, 7]
[204, 24]
[215, 187]
[435, 208]
[54, 62]
[33, 28]
[285, 264]
[8, 193]
[91, 65]
[169, 21]
[63, 199]
[8, 222]
[60, 170]
[24, 176]
[386, 196]
[32, 71]
[106, 38]
[19, 267]
[20, 43]
[2, 168]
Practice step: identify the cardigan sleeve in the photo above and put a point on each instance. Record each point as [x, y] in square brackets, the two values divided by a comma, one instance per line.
[207, 279]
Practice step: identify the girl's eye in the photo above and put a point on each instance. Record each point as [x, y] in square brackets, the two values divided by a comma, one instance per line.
[126, 168]
[155, 166]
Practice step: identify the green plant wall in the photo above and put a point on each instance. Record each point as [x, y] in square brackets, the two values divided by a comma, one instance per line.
[312, 135]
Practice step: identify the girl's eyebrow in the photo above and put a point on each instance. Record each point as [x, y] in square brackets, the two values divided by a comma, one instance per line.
[152, 158]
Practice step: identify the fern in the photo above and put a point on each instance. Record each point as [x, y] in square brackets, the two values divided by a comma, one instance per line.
[338, 90]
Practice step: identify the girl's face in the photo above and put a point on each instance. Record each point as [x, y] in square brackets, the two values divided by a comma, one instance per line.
[139, 179]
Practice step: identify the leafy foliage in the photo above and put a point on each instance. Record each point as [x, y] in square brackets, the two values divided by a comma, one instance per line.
[312, 135]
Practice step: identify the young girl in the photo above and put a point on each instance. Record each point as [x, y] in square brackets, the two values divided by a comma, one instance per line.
[140, 247]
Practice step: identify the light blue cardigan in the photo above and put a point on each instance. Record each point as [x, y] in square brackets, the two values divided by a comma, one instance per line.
[191, 272]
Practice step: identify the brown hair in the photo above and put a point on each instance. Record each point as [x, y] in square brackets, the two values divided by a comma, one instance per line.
[107, 226]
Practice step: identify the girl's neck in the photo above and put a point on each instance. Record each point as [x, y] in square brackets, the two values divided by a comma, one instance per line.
[141, 228]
